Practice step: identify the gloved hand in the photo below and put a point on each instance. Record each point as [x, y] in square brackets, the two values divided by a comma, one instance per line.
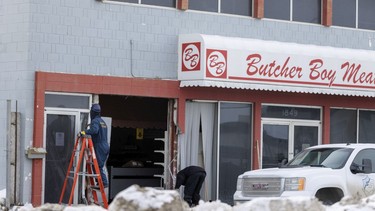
[82, 133]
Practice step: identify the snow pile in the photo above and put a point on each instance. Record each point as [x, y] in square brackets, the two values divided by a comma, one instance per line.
[25, 207]
[212, 206]
[85, 208]
[58, 207]
[354, 204]
[136, 198]
[147, 199]
[282, 204]
[3, 195]
[2, 199]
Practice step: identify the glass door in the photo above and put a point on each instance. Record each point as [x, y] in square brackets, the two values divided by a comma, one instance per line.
[60, 133]
[234, 147]
[275, 144]
[305, 136]
[282, 140]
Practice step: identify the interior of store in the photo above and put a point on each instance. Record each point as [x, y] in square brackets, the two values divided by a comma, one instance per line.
[137, 144]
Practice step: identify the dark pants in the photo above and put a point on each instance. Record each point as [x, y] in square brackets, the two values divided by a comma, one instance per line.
[101, 158]
[192, 188]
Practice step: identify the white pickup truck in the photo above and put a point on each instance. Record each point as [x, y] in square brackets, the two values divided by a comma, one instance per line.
[328, 172]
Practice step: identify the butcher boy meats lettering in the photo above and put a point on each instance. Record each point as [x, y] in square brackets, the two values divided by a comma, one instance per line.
[283, 69]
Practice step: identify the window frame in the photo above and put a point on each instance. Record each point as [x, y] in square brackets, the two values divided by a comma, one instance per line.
[251, 9]
[344, 11]
[290, 11]
[357, 22]
[292, 18]
[68, 108]
[139, 2]
[357, 17]
[291, 14]
[357, 110]
[219, 9]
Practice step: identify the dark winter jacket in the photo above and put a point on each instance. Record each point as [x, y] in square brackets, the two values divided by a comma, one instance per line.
[98, 131]
[185, 173]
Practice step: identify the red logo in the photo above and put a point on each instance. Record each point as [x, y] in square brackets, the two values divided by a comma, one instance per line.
[216, 63]
[191, 56]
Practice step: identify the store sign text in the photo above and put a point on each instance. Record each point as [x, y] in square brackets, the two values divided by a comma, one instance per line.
[316, 71]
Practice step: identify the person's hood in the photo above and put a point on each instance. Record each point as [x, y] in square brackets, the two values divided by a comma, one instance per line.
[94, 114]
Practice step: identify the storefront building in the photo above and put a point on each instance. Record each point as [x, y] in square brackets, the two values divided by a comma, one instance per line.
[229, 87]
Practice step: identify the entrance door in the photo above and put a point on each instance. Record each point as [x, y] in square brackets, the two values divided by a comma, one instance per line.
[60, 133]
[283, 139]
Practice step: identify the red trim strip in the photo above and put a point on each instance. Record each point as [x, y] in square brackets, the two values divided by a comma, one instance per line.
[258, 9]
[327, 13]
[77, 83]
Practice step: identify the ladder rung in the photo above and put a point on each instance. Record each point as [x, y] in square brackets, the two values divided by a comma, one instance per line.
[95, 187]
[87, 175]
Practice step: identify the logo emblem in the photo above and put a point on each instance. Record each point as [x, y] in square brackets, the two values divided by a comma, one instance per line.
[191, 56]
[368, 186]
[260, 186]
[216, 63]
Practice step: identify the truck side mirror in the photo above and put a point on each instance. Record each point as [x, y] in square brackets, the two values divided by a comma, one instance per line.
[355, 168]
[283, 162]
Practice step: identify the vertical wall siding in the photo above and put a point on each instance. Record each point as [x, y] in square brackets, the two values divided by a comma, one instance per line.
[16, 84]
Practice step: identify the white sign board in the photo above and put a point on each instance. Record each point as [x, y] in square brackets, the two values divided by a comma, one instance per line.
[208, 60]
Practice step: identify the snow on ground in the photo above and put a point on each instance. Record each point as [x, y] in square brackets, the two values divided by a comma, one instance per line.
[150, 199]
[284, 204]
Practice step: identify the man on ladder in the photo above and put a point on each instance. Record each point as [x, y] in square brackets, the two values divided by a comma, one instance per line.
[94, 147]
[98, 131]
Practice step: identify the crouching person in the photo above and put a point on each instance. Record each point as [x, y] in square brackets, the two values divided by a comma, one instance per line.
[192, 177]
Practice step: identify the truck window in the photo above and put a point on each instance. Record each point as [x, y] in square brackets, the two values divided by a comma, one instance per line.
[365, 160]
[325, 157]
[337, 158]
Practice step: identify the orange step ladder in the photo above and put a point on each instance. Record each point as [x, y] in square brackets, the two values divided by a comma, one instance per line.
[90, 171]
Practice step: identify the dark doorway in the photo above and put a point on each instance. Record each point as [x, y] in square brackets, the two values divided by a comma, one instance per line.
[137, 146]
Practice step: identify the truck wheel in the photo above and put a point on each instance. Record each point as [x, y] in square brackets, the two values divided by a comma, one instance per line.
[329, 196]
